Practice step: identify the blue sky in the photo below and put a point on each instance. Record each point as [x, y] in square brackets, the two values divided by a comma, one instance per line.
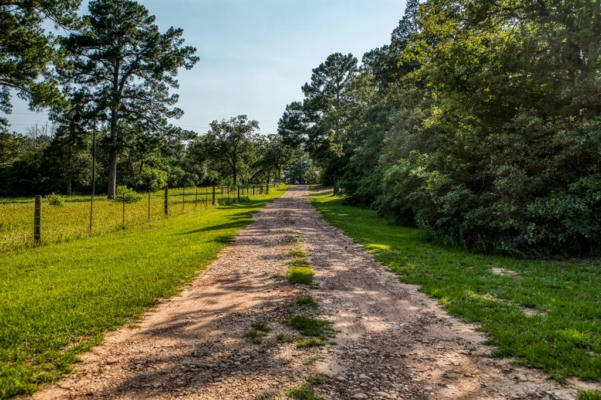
[256, 54]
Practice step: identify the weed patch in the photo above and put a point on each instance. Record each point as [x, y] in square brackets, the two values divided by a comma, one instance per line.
[297, 253]
[306, 301]
[302, 275]
[311, 342]
[303, 392]
[308, 326]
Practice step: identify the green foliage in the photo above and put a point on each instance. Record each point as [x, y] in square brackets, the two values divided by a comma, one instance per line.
[302, 275]
[55, 199]
[589, 395]
[563, 338]
[306, 301]
[152, 179]
[311, 342]
[303, 392]
[479, 122]
[260, 326]
[308, 326]
[85, 287]
[124, 68]
[28, 51]
[127, 195]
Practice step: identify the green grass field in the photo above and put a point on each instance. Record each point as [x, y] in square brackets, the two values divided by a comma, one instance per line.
[58, 300]
[71, 220]
[546, 314]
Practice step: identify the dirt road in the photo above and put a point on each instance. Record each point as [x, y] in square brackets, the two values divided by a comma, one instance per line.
[392, 342]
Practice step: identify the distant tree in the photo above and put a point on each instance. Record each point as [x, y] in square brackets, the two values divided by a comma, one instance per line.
[326, 113]
[26, 50]
[227, 142]
[128, 66]
[274, 155]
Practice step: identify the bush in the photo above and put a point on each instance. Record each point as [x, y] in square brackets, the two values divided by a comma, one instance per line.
[55, 200]
[127, 195]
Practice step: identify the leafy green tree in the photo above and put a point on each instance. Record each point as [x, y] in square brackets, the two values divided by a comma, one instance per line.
[274, 154]
[27, 50]
[227, 142]
[321, 124]
[128, 67]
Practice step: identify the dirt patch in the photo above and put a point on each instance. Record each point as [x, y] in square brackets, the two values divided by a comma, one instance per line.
[503, 272]
[392, 342]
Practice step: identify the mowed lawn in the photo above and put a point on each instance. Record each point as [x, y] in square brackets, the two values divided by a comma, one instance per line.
[546, 314]
[58, 300]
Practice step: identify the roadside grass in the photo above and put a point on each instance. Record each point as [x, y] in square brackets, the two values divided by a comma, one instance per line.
[58, 300]
[563, 336]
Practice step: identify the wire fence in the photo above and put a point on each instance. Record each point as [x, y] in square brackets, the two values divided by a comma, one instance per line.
[29, 222]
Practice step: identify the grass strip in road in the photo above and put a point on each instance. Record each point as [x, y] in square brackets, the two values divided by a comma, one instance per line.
[299, 270]
[58, 300]
[547, 314]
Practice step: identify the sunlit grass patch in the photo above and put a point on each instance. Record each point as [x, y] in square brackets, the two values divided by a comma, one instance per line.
[297, 253]
[302, 275]
[311, 342]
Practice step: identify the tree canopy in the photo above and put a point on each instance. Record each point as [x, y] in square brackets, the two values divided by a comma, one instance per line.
[478, 122]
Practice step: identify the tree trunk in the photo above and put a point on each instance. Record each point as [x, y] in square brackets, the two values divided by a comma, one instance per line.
[112, 187]
[336, 189]
[112, 183]
[235, 173]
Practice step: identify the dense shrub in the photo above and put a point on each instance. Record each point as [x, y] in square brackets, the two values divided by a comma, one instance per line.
[55, 199]
[127, 195]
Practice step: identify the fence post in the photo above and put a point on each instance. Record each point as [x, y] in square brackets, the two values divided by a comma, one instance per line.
[37, 220]
[149, 205]
[267, 188]
[213, 195]
[253, 190]
[166, 201]
[238, 192]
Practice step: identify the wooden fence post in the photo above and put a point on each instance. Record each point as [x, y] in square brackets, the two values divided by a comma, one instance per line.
[213, 195]
[37, 220]
[166, 201]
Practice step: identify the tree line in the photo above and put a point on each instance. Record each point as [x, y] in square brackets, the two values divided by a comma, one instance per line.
[111, 74]
[480, 122]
